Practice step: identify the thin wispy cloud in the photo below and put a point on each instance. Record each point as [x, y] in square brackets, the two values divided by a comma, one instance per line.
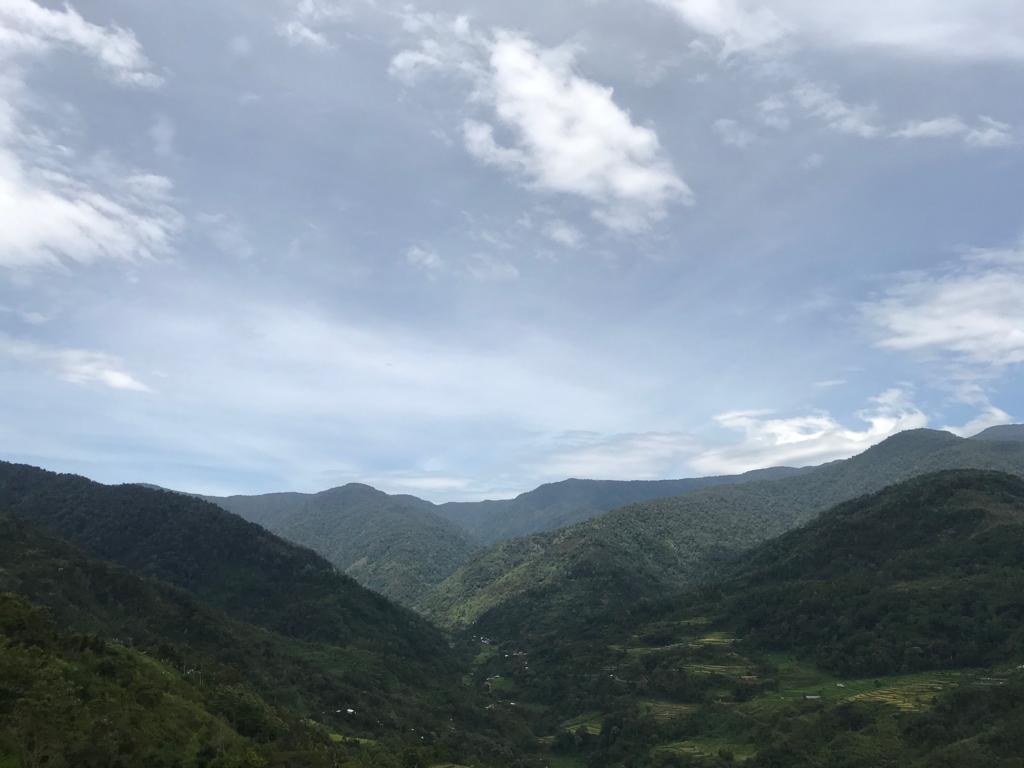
[55, 206]
[808, 439]
[959, 29]
[76, 366]
[971, 311]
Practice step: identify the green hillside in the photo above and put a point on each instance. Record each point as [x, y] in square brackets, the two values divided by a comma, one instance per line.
[395, 545]
[559, 505]
[886, 633]
[228, 563]
[542, 586]
[400, 697]
[77, 700]
[924, 575]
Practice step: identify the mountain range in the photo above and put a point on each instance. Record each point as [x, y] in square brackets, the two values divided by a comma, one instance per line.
[862, 613]
[615, 562]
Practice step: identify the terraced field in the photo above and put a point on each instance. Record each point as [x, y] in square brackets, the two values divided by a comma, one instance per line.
[706, 748]
[911, 695]
[666, 711]
[591, 722]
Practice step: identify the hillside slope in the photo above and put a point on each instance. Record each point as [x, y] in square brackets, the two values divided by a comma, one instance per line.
[74, 700]
[401, 690]
[559, 505]
[926, 574]
[544, 584]
[887, 632]
[395, 545]
[232, 565]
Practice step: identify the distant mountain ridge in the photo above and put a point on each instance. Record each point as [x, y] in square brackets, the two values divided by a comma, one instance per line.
[402, 546]
[542, 583]
[559, 505]
[1005, 433]
[395, 545]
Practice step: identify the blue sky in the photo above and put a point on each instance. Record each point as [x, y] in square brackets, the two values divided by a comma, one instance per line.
[460, 249]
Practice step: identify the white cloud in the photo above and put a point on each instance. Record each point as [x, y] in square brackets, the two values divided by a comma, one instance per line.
[559, 132]
[990, 417]
[824, 104]
[954, 29]
[972, 311]
[309, 17]
[563, 233]
[27, 27]
[424, 258]
[990, 133]
[50, 214]
[733, 134]
[987, 134]
[737, 25]
[809, 439]
[52, 205]
[630, 456]
[940, 127]
[77, 366]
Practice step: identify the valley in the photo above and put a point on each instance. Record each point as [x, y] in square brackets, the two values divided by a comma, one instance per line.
[760, 623]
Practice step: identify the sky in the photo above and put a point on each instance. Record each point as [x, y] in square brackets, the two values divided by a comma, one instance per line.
[461, 249]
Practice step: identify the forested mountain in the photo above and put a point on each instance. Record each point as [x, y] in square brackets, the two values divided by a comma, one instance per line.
[395, 545]
[402, 546]
[888, 632]
[927, 574]
[540, 585]
[1004, 433]
[225, 561]
[361, 677]
[558, 505]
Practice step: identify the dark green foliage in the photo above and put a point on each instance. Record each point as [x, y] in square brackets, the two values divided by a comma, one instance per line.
[928, 574]
[395, 545]
[557, 505]
[233, 565]
[77, 701]
[261, 683]
[611, 566]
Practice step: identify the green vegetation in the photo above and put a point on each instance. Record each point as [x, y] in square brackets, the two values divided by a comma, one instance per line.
[887, 631]
[83, 702]
[556, 587]
[558, 505]
[226, 562]
[404, 690]
[395, 545]
[755, 668]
